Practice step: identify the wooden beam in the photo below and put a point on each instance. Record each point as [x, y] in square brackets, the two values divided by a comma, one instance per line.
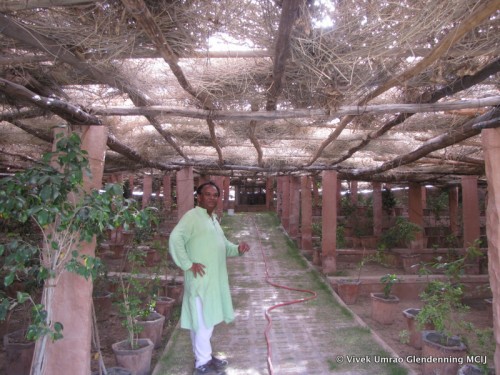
[298, 113]
[479, 15]
[449, 138]
[69, 112]
[455, 87]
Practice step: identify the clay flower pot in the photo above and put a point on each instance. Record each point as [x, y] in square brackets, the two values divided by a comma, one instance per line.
[348, 290]
[152, 327]
[164, 306]
[19, 352]
[436, 345]
[138, 360]
[384, 310]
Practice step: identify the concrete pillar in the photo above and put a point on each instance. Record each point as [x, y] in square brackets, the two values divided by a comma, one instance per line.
[293, 230]
[354, 192]
[470, 207]
[377, 208]
[491, 146]
[131, 185]
[225, 188]
[316, 197]
[185, 184]
[167, 192]
[269, 192]
[219, 181]
[285, 212]
[202, 179]
[72, 301]
[279, 196]
[453, 207]
[306, 217]
[329, 222]
[147, 189]
[416, 211]
[236, 195]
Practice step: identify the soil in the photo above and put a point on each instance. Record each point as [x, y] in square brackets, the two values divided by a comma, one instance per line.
[479, 314]
[111, 329]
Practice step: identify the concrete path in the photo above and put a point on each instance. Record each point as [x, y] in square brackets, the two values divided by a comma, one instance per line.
[319, 336]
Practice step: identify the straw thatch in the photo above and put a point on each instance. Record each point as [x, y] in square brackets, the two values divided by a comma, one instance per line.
[377, 90]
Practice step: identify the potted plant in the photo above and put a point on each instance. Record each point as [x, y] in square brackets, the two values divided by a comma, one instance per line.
[348, 288]
[133, 353]
[384, 305]
[50, 196]
[442, 307]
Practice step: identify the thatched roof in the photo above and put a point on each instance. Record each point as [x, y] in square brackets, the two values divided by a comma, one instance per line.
[377, 90]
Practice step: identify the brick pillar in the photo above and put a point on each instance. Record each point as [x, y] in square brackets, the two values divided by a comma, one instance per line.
[285, 212]
[185, 183]
[470, 207]
[167, 192]
[279, 196]
[72, 301]
[377, 208]
[491, 146]
[219, 181]
[329, 222]
[354, 192]
[416, 211]
[269, 192]
[294, 207]
[316, 200]
[147, 189]
[306, 217]
[131, 185]
[236, 195]
[453, 207]
[225, 188]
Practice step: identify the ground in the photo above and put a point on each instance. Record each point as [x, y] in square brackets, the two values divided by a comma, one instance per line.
[111, 330]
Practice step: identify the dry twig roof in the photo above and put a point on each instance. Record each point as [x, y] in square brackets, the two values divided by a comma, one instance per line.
[387, 91]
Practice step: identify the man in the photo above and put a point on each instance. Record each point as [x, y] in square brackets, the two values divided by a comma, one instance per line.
[199, 247]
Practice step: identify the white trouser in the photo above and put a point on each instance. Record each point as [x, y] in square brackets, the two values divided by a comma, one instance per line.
[202, 348]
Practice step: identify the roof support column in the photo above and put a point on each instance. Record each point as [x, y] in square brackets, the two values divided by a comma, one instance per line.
[377, 209]
[147, 189]
[453, 207]
[329, 222]
[470, 207]
[167, 192]
[285, 202]
[269, 192]
[416, 211]
[225, 189]
[491, 146]
[72, 299]
[294, 207]
[306, 217]
[185, 182]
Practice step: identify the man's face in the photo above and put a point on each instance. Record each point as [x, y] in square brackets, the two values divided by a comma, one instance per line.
[208, 198]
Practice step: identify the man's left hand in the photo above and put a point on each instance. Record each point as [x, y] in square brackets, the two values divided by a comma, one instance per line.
[243, 247]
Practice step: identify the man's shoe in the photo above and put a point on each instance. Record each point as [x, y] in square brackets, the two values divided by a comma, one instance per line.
[206, 369]
[218, 364]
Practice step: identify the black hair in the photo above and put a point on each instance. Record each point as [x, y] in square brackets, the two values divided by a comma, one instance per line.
[211, 183]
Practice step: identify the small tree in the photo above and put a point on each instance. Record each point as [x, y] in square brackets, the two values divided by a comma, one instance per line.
[51, 196]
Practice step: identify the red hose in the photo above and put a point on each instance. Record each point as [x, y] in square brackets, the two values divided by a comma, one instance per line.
[268, 310]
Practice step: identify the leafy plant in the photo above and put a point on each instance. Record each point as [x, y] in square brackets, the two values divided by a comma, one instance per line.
[51, 197]
[403, 232]
[388, 200]
[441, 299]
[388, 280]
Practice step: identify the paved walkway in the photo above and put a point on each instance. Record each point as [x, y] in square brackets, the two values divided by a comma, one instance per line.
[315, 337]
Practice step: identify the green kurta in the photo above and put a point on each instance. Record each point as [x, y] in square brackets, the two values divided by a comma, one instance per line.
[198, 238]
